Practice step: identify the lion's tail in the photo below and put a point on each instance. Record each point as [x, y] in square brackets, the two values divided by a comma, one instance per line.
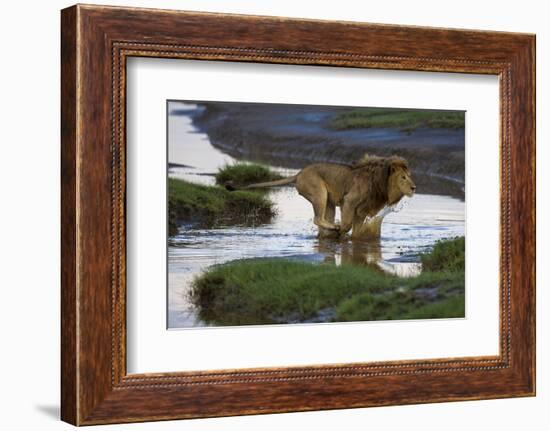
[284, 181]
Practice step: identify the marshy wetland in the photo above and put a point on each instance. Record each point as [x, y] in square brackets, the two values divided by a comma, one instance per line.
[253, 257]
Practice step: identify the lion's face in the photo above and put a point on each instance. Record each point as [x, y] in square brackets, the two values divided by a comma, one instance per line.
[401, 182]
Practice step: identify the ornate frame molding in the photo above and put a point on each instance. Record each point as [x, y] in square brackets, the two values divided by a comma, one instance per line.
[96, 41]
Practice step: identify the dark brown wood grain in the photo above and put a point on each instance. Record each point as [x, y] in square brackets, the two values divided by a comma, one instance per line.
[68, 217]
[96, 41]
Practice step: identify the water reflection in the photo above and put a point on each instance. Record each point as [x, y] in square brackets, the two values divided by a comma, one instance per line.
[368, 253]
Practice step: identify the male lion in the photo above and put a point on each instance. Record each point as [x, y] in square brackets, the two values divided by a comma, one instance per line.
[360, 190]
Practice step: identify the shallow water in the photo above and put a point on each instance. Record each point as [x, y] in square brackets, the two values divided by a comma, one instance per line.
[422, 221]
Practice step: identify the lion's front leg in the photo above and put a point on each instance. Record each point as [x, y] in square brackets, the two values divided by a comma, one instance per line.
[348, 213]
[370, 229]
[330, 212]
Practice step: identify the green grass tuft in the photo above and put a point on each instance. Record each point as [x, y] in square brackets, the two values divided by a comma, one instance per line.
[257, 291]
[451, 307]
[448, 255]
[214, 206]
[242, 174]
[403, 119]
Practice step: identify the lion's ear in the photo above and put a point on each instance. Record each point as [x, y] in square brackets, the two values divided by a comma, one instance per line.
[396, 163]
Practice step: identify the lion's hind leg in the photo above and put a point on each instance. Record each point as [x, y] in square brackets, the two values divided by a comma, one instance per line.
[318, 196]
[319, 203]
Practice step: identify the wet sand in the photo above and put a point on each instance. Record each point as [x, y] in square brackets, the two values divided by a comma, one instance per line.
[268, 133]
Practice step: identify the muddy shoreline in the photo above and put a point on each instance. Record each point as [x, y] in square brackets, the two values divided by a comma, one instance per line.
[268, 134]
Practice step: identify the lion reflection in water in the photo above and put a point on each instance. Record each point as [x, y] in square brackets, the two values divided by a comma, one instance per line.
[365, 253]
[357, 253]
[360, 190]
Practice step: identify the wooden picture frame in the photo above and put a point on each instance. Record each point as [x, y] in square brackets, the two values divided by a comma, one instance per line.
[95, 43]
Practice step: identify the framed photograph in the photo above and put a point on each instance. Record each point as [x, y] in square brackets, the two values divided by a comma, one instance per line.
[263, 214]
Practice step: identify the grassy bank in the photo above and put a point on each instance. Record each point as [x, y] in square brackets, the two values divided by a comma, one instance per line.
[242, 174]
[445, 256]
[406, 120]
[259, 291]
[211, 206]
